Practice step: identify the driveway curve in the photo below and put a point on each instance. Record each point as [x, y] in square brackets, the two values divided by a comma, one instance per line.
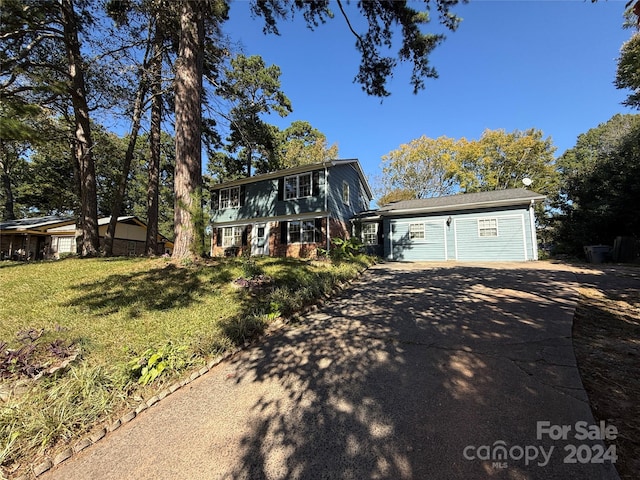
[417, 371]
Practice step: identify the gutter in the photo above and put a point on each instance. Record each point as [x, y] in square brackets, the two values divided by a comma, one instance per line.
[326, 206]
[463, 206]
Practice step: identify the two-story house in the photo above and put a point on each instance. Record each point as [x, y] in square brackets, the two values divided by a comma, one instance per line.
[291, 212]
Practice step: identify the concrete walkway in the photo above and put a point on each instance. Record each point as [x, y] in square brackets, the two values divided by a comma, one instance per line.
[418, 371]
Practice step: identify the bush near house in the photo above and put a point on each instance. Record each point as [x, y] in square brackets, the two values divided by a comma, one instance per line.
[83, 341]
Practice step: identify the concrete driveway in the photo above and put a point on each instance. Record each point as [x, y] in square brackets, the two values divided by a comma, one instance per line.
[418, 371]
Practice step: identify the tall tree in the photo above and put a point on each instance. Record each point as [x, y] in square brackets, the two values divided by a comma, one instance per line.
[301, 144]
[189, 68]
[426, 167]
[42, 63]
[501, 160]
[600, 189]
[628, 70]
[151, 241]
[90, 243]
[254, 90]
[382, 18]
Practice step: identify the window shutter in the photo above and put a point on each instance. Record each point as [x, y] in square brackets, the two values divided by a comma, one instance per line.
[318, 231]
[283, 232]
[244, 236]
[281, 189]
[316, 182]
[380, 233]
[219, 237]
[215, 199]
[243, 194]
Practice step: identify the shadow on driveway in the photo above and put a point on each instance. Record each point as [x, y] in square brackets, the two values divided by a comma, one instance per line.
[415, 372]
[398, 375]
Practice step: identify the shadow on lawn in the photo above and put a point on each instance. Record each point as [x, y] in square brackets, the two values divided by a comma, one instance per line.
[156, 289]
[396, 376]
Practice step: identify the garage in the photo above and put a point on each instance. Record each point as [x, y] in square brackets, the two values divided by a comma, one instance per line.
[469, 227]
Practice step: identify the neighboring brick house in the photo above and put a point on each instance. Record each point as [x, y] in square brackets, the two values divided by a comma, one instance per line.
[291, 212]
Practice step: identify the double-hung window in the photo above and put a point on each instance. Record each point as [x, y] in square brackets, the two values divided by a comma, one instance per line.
[370, 233]
[232, 236]
[487, 227]
[302, 231]
[416, 231]
[230, 197]
[298, 186]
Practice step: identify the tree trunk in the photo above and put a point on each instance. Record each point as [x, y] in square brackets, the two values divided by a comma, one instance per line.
[116, 207]
[5, 173]
[151, 244]
[83, 141]
[188, 172]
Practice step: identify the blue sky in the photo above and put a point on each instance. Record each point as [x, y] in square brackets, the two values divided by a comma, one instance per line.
[511, 65]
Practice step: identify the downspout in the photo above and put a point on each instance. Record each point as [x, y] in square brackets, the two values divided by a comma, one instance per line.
[534, 240]
[326, 206]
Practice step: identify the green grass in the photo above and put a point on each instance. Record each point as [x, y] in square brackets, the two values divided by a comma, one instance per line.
[116, 314]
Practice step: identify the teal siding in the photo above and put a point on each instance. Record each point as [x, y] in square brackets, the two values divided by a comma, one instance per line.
[508, 245]
[261, 201]
[338, 209]
[460, 240]
[432, 247]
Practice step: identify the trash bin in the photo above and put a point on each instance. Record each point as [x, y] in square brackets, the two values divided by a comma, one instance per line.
[597, 253]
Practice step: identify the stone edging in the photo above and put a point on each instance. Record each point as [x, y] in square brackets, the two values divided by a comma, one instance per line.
[48, 463]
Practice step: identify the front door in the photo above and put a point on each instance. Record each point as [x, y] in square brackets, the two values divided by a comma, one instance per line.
[260, 239]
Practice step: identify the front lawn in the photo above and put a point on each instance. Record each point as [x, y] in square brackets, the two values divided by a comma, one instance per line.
[82, 341]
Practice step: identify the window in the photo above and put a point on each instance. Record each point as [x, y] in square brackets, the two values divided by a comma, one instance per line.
[297, 186]
[416, 231]
[294, 232]
[345, 193]
[304, 185]
[370, 233]
[232, 236]
[66, 245]
[131, 248]
[302, 231]
[488, 227]
[230, 197]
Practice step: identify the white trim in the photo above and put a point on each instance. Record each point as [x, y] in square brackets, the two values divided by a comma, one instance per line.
[524, 240]
[534, 234]
[444, 236]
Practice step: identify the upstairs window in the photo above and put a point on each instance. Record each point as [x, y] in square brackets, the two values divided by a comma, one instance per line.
[297, 186]
[487, 227]
[416, 231]
[345, 193]
[230, 197]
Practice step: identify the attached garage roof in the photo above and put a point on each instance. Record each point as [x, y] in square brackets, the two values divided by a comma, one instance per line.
[462, 201]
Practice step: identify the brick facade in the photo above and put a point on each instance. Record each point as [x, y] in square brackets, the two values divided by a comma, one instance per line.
[279, 249]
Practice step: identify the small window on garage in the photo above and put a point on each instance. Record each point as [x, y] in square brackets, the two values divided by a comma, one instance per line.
[370, 233]
[416, 231]
[487, 227]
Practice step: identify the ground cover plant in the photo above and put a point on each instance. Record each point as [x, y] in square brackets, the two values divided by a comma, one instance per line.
[83, 341]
